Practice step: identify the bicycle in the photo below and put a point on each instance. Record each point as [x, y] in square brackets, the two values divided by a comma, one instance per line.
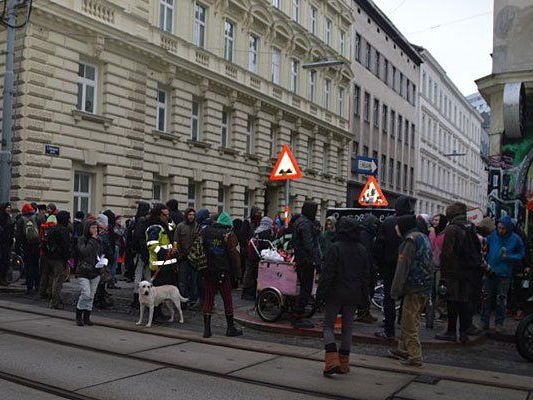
[16, 268]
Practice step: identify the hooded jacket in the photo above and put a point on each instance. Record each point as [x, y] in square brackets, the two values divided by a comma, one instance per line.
[346, 277]
[305, 236]
[6, 229]
[327, 238]
[185, 234]
[59, 235]
[176, 215]
[504, 251]
[221, 246]
[87, 251]
[136, 234]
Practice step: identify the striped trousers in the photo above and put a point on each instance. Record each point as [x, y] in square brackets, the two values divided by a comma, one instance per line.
[211, 287]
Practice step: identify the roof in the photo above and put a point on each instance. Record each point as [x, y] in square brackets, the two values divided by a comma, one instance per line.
[386, 24]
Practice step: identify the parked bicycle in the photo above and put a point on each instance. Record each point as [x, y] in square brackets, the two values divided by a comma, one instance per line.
[16, 268]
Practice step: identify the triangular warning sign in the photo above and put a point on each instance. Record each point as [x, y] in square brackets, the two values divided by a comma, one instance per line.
[286, 166]
[371, 195]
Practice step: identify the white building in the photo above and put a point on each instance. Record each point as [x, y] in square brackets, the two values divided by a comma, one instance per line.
[449, 159]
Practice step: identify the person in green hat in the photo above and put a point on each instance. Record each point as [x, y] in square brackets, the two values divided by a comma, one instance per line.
[221, 247]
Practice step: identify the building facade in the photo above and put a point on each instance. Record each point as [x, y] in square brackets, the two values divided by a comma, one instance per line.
[384, 103]
[449, 158]
[120, 101]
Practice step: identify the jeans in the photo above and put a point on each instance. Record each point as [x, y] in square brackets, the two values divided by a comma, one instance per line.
[88, 290]
[306, 276]
[495, 290]
[188, 281]
[142, 272]
[330, 314]
[31, 265]
[409, 343]
[389, 307]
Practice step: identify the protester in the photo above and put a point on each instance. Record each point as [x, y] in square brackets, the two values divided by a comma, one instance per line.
[27, 242]
[176, 216]
[139, 250]
[460, 260]
[307, 258]
[117, 232]
[184, 236]
[413, 280]
[51, 209]
[88, 249]
[367, 231]
[41, 216]
[247, 231]
[328, 236]
[259, 242]
[436, 237]
[102, 297]
[162, 258]
[504, 249]
[6, 241]
[220, 245]
[77, 224]
[243, 248]
[343, 286]
[387, 244]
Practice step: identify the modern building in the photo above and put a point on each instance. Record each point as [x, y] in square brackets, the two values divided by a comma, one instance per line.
[120, 101]
[449, 158]
[385, 98]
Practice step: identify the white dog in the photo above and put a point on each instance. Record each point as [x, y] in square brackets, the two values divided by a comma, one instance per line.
[151, 296]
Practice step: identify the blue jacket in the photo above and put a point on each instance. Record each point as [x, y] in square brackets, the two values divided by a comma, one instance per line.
[514, 250]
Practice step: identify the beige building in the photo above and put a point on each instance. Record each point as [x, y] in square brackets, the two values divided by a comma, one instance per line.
[124, 100]
[449, 158]
[385, 114]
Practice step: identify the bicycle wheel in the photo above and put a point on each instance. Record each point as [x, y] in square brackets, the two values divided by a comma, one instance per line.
[16, 267]
[269, 305]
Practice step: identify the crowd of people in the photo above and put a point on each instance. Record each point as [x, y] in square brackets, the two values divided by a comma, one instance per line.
[464, 269]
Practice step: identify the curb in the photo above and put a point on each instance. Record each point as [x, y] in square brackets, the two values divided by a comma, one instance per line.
[244, 319]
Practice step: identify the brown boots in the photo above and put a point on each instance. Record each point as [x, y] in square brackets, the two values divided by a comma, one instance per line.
[336, 363]
[344, 358]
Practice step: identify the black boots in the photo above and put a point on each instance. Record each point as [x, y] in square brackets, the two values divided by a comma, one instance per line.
[207, 325]
[135, 303]
[79, 314]
[232, 331]
[87, 318]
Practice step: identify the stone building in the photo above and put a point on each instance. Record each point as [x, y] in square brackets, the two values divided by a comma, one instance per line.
[450, 163]
[127, 100]
[385, 115]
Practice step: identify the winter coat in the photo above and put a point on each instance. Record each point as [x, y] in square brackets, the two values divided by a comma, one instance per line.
[60, 236]
[7, 230]
[87, 251]
[305, 240]
[502, 261]
[20, 234]
[325, 241]
[184, 237]
[221, 247]
[414, 271]
[346, 277]
[437, 240]
[159, 246]
[452, 266]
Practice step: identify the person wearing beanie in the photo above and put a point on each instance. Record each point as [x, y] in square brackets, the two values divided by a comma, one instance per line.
[184, 236]
[57, 249]
[460, 261]
[102, 298]
[307, 258]
[27, 241]
[176, 216]
[137, 252]
[221, 248]
[413, 282]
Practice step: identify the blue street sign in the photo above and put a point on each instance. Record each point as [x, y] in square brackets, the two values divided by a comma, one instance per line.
[51, 150]
[365, 165]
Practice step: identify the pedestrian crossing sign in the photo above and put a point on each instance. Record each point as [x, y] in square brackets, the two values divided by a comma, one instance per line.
[371, 195]
[286, 166]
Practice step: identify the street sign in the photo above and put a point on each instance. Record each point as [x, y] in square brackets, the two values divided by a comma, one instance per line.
[371, 195]
[51, 150]
[366, 165]
[286, 166]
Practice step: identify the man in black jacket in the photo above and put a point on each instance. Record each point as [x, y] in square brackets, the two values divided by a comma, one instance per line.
[387, 245]
[136, 243]
[57, 250]
[368, 229]
[307, 258]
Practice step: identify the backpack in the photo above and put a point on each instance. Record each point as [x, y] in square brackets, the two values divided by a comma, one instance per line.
[469, 252]
[44, 236]
[31, 234]
[197, 256]
[49, 243]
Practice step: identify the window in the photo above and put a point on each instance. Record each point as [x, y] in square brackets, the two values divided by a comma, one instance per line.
[405, 177]
[312, 20]
[424, 83]
[392, 123]
[247, 202]
[341, 102]
[199, 25]
[375, 114]
[274, 141]
[312, 85]
[400, 127]
[157, 192]
[327, 31]
[86, 88]
[191, 194]
[411, 179]
[342, 40]
[276, 59]
[406, 132]
[340, 158]
[82, 192]
[398, 174]
[365, 151]
[276, 3]
[368, 55]
[229, 37]
[221, 200]
[295, 66]
[225, 126]
[391, 171]
[383, 168]
[327, 91]
[401, 84]
[408, 91]
[386, 71]
[166, 11]
[413, 136]
[253, 53]
[250, 135]
[356, 100]
[366, 107]
[325, 164]
[355, 148]
[310, 153]
[357, 47]
[384, 118]
[161, 117]
[296, 10]
[195, 119]
[377, 64]
[394, 78]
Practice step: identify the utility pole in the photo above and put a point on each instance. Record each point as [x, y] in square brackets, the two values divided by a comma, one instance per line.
[7, 111]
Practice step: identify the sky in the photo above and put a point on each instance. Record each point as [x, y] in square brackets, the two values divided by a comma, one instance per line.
[458, 33]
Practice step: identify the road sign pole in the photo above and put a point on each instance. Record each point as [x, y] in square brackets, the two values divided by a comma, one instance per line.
[287, 195]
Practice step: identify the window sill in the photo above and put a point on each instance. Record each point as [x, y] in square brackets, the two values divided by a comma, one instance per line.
[165, 135]
[82, 115]
[311, 171]
[198, 143]
[326, 175]
[340, 179]
[228, 150]
[252, 157]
